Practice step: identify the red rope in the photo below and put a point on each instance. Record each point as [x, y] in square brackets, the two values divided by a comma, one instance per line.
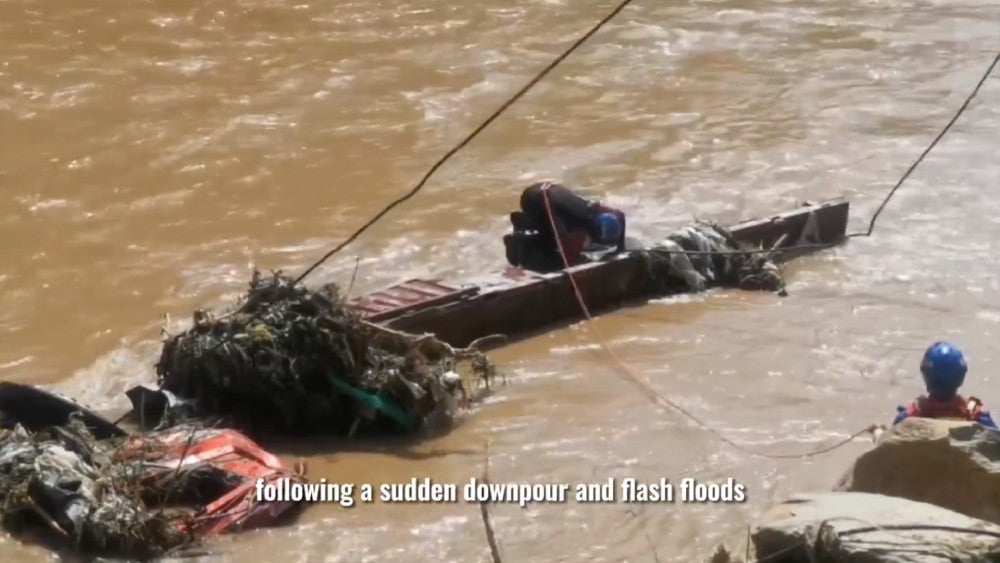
[648, 389]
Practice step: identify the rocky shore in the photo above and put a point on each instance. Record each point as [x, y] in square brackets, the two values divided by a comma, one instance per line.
[929, 491]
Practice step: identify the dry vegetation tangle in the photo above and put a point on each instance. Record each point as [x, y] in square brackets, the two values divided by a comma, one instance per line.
[298, 361]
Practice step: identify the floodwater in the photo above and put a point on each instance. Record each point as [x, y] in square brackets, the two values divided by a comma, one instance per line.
[152, 151]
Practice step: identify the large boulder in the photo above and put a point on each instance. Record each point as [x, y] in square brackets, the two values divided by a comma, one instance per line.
[867, 528]
[952, 464]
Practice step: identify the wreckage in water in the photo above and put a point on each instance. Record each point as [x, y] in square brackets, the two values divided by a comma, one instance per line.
[516, 302]
[311, 362]
[79, 482]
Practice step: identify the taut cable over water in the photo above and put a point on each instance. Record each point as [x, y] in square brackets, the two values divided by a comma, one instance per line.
[539, 76]
[930, 147]
[630, 374]
[658, 398]
[510, 101]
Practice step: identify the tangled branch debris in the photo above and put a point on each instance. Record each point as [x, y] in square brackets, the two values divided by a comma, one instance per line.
[715, 257]
[295, 360]
[62, 480]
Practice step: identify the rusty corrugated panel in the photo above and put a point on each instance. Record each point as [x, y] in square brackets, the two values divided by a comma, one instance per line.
[429, 290]
[432, 286]
[410, 295]
[381, 299]
[402, 293]
[365, 310]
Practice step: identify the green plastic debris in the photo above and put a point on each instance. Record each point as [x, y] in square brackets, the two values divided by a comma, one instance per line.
[376, 403]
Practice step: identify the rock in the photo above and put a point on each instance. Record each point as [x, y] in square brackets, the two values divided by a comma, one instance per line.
[722, 555]
[734, 548]
[868, 528]
[953, 464]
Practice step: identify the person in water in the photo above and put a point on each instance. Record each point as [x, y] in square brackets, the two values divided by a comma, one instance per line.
[943, 369]
[580, 223]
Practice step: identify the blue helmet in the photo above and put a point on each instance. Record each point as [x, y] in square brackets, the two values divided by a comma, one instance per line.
[943, 368]
[607, 228]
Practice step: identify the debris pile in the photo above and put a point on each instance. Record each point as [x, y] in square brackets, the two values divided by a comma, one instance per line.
[300, 361]
[707, 253]
[82, 491]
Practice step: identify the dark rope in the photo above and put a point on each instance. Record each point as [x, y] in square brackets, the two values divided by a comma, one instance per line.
[892, 192]
[510, 101]
[961, 110]
[888, 196]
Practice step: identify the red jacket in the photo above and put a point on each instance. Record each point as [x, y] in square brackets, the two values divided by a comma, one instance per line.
[958, 408]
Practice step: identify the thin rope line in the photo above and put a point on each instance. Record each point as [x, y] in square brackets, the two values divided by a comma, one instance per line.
[510, 101]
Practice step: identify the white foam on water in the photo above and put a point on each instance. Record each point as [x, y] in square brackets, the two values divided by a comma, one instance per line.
[102, 385]
[684, 298]
[18, 362]
[442, 526]
[990, 316]
[572, 349]
[638, 340]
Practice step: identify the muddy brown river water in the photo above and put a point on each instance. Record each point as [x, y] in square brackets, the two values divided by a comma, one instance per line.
[152, 150]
